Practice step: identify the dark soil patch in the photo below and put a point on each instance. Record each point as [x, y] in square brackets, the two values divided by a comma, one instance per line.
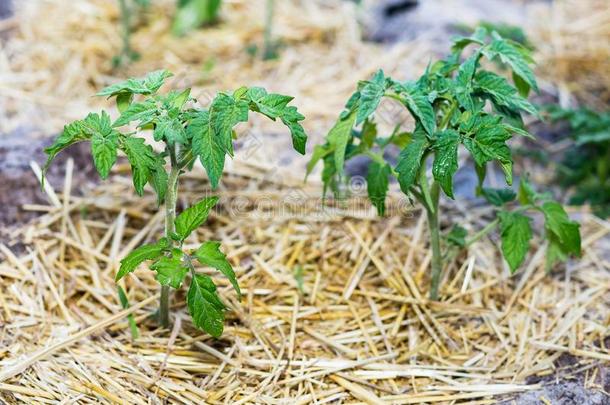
[18, 184]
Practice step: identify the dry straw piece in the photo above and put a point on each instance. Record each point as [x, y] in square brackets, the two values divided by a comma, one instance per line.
[333, 307]
[294, 335]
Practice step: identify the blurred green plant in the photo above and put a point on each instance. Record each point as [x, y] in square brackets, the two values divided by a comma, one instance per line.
[129, 10]
[585, 168]
[455, 102]
[193, 14]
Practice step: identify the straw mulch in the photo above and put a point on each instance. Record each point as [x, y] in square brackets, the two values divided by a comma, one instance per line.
[334, 305]
[572, 38]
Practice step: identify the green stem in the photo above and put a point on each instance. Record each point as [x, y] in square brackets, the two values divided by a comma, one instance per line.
[126, 27]
[171, 197]
[268, 46]
[477, 236]
[430, 197]
[447, 117]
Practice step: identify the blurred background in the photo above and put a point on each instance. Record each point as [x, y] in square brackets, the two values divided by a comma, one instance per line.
[55, 54]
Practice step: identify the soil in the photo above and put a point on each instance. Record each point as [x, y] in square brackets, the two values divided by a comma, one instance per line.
[18, 184]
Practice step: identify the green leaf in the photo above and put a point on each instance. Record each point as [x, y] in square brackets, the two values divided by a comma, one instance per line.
[148, 84]
[158, 180]
[145, 112]
[209, 254]
[457, 236]
[135, 333]
[140, 255]
[192, 217]
[170, 130]
[563, 233]
[291, 118]
[516, 233]
[489, 143]
[225, 113]
[370, 96]
[104, 150]
[319, 152]
[527, 195]
[422, 110]
[276, 106]
[377, 182]
[143, 161]
[208, 147]
[445, 159]
[77, 131]
[170, 270]
[205, 306]
[123, 101]
[514, 56]
[338, 137]
[410, 159]
[463, 80]
[502, 92]
[498, 196]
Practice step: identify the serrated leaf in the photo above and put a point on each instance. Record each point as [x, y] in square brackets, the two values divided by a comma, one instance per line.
[498, 196]
[140, 255]
[377, 181]
[209, 254]
[291, 118]
[158, 180]
[104, 151]
[192, 217]
[170, 130]
[516, 233]
[463, 81]
[225, 113]
[559, 224]
[205, 306]
[370, 96]
[276, 106]
[145, 112]
[319, 152]
[410, 159]
[338, 137]
[422, 110]
[445, 159]
[145, 85]
[142, 159]
[502, 92]
[170, 270]
[515, 57]
[77, 131]
[489, 143]
[208, 147]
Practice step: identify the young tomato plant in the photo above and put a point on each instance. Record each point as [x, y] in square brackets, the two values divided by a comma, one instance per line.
[187, 134]
[585, 168]
[455, 102]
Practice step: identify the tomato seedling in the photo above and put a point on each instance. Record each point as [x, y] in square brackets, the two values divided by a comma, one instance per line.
[187, 134]
[455, 102]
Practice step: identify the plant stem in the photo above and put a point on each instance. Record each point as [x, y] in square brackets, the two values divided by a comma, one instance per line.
[126, 26]
[430, 196]
[268, 45]
[171, 197]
